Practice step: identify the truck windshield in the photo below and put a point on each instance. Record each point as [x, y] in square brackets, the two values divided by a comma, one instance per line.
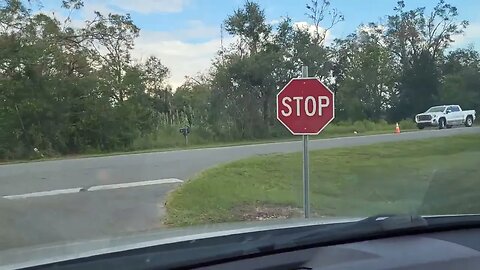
[437, 109]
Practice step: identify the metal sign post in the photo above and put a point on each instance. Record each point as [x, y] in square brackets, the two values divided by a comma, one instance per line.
[306, 176]
[305, 106]
[185, 131]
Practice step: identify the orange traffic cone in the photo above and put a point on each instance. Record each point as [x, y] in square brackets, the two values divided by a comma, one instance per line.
[397, 129]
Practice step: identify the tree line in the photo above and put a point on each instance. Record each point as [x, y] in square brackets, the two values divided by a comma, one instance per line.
[68, 90]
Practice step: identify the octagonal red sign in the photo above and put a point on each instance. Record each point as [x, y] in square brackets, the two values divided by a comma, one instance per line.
[305, 106]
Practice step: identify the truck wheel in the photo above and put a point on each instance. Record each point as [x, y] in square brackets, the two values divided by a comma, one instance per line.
[469, 121]
[420, 126]
[442, 123]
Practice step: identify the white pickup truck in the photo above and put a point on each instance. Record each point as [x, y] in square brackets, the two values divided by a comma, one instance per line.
[445, 116]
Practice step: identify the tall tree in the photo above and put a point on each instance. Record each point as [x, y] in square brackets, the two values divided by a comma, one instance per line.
[461, 84]
[111, 38]
[316, 12]
[249, 24]
[365, 75]
[418, 39]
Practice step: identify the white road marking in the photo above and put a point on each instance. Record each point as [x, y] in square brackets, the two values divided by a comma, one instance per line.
[43, 193]
[92, 188]
[135, 184]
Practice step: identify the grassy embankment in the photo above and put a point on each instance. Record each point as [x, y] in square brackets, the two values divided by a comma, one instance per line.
[433, 176]
[170, 139]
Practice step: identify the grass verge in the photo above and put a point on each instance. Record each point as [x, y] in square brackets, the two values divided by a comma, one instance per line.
[433, 176]
[204, 145]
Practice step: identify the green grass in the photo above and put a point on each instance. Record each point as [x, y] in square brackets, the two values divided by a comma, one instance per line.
[170, 140]
[433, 176]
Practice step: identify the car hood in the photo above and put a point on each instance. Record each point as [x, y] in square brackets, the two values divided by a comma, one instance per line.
[57, 252]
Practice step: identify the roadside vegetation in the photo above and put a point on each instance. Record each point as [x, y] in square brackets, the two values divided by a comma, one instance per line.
[68, 88]
[168, 139]
[402, 177]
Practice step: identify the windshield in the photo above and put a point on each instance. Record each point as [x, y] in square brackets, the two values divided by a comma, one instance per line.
[119, 118]
[437, 109]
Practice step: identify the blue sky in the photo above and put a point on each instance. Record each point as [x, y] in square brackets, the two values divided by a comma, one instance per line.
[185, 34]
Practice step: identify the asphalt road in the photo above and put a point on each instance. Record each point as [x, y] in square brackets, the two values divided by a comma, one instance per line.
[88, 198]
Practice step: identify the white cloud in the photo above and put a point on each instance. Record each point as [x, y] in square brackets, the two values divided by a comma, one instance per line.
[470, 36]
[274, 21]
[150, 6]
[129, 6]
[371, 29]
[177, 52]
[185, 52]
[312, 29]
[197, 29]
[181, 57]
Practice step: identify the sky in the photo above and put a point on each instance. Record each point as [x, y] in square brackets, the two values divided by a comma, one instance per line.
[185, 34]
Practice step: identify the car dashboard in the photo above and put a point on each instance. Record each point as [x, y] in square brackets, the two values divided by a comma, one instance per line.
[442, 250]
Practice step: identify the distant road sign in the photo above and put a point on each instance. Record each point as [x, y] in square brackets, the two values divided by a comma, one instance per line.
[305, 106]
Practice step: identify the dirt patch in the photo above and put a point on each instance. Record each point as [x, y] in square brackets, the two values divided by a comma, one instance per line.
[266, 212]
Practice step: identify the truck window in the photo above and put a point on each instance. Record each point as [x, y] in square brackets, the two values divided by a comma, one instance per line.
[452, 109]
[436, 109]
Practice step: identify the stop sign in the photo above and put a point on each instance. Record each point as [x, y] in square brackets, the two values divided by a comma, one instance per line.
[305, 106]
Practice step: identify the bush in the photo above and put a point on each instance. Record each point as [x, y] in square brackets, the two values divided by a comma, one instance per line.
[407, 124]
[170, 137]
